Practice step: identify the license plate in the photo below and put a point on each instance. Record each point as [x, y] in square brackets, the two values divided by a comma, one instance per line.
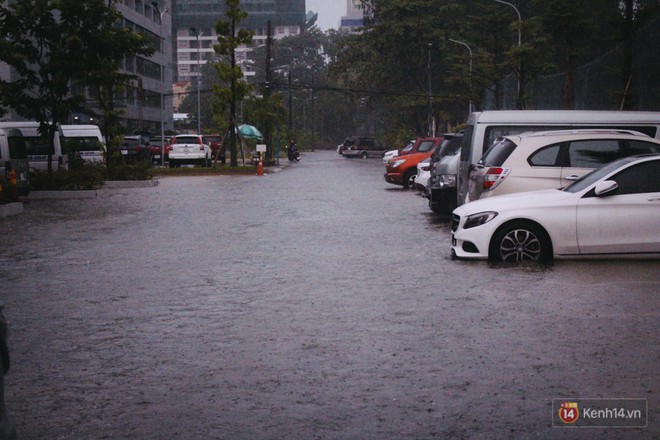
[124, 152]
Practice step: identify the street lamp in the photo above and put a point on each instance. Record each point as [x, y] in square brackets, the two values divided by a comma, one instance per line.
[199, 78]
[162, 84]
[519, 42]
[469, 50]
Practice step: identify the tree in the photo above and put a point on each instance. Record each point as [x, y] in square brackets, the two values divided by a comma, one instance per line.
[566, 22]
[229, 39]
[215, 117]
[58, 47]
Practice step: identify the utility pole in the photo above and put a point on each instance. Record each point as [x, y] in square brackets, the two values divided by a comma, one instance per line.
[431, 126]
[267, 134]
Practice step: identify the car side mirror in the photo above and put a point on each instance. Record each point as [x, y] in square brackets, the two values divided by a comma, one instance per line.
[606, 188]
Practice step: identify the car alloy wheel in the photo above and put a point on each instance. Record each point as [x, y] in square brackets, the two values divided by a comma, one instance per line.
[409, 179]
[520, 242]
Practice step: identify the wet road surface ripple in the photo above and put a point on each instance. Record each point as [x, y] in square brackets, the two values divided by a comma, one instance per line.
[318, 302]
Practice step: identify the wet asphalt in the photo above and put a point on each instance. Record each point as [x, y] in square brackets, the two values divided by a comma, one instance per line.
[317, 302]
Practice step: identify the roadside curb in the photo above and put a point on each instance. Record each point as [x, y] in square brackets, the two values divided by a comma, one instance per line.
[73, 194]
[93, 193]
[110, 184]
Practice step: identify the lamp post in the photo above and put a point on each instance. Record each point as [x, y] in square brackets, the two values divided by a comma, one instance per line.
[519, 42]
[162, 84]
[199, 78]
[469, 50]
[431, 128]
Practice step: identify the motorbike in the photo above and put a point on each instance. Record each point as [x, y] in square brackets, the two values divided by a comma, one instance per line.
[292, 153]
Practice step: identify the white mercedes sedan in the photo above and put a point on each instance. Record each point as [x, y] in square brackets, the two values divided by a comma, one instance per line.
[614, 210]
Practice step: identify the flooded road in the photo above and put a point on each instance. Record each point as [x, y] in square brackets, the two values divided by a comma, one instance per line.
[318, 302]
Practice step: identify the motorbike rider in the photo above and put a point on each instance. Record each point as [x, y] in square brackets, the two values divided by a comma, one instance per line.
[292, 151]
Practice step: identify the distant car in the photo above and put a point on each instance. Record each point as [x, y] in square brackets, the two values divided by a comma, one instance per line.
[135, 149]
[363, 147]
[611, 211]
[217, 148]
[189, 149]
[551, 159]
[157, 148]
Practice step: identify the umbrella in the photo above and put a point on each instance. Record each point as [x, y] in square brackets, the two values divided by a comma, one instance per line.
[250, 132]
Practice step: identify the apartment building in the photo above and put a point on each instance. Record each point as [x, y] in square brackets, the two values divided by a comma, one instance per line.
[142, 101]
[194, 29]
[354, 17]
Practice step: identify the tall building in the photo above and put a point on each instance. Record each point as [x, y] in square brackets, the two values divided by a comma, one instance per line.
[194, 29]
[142, 101]
[354, 17]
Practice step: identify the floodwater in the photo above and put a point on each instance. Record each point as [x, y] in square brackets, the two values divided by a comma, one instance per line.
[317, 302]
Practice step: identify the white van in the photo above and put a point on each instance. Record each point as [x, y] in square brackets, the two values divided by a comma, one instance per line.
[85, 140]
[484, 128]
[13, 157]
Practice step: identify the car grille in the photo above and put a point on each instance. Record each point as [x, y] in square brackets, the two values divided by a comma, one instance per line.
[455, 220]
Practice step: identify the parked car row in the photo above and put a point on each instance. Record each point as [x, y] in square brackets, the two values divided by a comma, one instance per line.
[572, 184]
[402, 169]
[177, 150]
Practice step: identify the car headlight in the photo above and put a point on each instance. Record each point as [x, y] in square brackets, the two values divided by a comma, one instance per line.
[479, 219]
[397, 163]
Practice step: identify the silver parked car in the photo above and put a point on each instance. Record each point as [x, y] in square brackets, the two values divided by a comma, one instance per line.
[442, 184]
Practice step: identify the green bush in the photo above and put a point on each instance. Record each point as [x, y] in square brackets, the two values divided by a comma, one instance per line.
[81, 176]
[119, 170]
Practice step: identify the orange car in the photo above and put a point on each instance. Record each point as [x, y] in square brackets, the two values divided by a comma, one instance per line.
[401, 170]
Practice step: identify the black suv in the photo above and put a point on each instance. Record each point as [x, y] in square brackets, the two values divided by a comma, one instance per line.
[362, 147]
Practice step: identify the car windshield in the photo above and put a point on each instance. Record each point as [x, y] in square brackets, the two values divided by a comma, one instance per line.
[425, 146]
[449, 147]
[130, 143]
[597, 174]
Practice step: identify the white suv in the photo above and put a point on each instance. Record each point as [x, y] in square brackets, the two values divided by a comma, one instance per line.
[551, 159]
[189, 149]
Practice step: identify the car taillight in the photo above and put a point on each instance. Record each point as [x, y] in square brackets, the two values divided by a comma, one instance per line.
[201, 148]
[494, 176]
[426, 168]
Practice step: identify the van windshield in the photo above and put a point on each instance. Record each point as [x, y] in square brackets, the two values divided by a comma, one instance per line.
[85, 143]
[17, 149]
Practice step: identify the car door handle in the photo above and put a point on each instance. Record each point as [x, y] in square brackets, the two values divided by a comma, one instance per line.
[573, 177]
[654, 199]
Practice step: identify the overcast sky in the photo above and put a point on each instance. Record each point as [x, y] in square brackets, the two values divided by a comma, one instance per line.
[330, 12]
